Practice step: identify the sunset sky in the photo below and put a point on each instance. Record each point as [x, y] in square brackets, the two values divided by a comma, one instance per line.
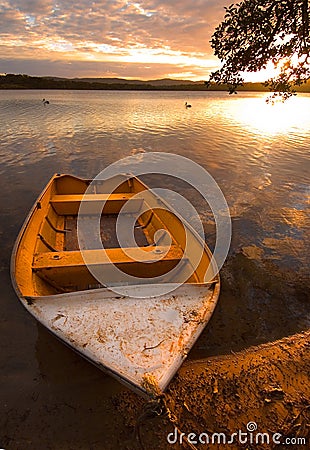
[109, 38]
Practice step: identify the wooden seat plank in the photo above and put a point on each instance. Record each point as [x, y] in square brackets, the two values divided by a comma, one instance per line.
[111, 203]
[66, 259]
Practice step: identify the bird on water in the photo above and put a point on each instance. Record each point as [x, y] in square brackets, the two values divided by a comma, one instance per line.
[187, 105]
[45, 102]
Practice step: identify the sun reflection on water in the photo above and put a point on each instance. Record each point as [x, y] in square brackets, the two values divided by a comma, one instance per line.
[266, 118]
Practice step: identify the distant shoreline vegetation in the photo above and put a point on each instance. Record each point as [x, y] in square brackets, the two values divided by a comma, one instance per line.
[21, 81]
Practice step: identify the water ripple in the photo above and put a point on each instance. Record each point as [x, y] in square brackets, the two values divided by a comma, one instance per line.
[258, 154]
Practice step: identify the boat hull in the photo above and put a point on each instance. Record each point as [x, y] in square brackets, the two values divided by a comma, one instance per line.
[141, 341]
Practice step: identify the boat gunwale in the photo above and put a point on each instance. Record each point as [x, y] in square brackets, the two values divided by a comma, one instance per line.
[22, 232]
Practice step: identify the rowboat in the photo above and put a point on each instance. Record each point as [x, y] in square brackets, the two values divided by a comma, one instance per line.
[140, 335]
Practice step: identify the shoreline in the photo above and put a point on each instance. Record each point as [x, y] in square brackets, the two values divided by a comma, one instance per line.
[139, 89]
[23, 81]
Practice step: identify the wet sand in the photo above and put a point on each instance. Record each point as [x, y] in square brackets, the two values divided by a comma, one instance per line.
[267, 385]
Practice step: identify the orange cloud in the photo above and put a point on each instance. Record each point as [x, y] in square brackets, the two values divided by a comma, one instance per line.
[134, 33]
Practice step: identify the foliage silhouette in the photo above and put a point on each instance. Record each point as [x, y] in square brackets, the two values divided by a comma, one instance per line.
[255, 32]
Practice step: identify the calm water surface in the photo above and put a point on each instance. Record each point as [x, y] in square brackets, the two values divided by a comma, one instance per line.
[259, 156]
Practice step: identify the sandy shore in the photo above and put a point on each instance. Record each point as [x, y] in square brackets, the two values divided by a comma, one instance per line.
[265, 388]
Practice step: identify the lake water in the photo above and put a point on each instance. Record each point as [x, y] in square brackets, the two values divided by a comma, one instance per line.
[259, 156]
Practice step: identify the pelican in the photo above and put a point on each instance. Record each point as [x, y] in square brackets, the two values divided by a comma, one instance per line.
[187, 105]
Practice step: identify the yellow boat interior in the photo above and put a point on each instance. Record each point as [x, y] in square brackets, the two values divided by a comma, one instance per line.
[47, 259]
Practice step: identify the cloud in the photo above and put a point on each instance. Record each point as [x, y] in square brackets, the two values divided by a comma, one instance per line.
[116, 31]
[88, 69]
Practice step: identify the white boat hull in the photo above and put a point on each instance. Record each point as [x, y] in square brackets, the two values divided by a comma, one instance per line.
[141, 342]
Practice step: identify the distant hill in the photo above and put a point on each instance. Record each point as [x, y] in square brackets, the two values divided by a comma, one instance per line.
[14, 81]
[160, 82]
[22, 81]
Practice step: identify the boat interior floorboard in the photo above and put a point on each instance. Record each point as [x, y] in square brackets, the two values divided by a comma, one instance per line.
[107, 232]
